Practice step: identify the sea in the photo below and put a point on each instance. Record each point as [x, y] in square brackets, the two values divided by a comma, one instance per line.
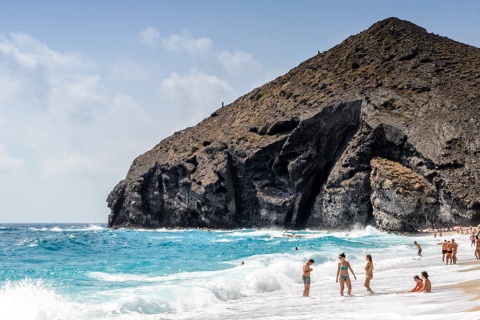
[88, 271]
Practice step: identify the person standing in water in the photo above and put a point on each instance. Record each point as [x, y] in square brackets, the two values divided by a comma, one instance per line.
[368, 273]
[454, 251]
[419, 248]
[444, 249]
[477, 247]
[449, 252]
[342, 274]
[306, 277]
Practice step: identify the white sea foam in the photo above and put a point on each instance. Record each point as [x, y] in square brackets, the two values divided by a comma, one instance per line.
[267, 286]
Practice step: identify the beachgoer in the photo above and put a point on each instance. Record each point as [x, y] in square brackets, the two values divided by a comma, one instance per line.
[454, 251]
[419, 248]
[306, 277]
[449, 252]
[368, 273]
[472, 239]
[477, 248]
[418, 284]
[444, 249]
[434, 233]
[342, 274]
[427, 285]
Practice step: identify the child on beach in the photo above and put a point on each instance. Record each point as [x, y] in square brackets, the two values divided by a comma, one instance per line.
[368, 273]
[342, 274]
[418, 284]
[306, 277]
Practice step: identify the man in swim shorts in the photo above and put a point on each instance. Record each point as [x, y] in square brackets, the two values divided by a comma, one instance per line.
[419, 248]
[444, 249]
[449, 252]
[306, 277]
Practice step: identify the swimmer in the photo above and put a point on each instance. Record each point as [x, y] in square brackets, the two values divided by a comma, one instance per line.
[306, 277]
[342, 274]
[368, 273]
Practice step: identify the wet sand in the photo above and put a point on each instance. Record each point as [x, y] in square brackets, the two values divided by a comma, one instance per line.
[471, 287]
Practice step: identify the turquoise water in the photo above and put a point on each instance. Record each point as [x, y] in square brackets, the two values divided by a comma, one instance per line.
[83, 271]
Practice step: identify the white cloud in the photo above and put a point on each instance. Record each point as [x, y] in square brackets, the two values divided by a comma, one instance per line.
[7, 162]
[128, 70]
[238, 61]
[185, 42]
[70, 162]
[28, 52]
[149, 36]
[196, 94]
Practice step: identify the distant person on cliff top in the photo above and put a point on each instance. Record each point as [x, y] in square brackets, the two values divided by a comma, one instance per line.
[419, 248]
[306, 277]
[342, 274]
[444, 249]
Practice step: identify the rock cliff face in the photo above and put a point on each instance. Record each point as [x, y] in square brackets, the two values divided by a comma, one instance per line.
[382, 129]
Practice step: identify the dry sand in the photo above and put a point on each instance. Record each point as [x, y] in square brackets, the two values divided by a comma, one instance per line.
[471, 287]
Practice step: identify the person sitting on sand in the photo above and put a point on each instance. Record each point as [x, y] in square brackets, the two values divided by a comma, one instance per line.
[418, 284]
[427, 285]
[342, 274]
[368, 273]
[454, 251]
[306, 277]
[419, 248]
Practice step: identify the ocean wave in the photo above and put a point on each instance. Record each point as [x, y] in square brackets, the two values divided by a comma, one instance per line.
[31, 300]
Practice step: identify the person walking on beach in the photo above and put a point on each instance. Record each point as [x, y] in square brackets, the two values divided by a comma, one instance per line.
[454, 251]
[306, 277]
[473, 239]
[419, 248]
[418, 284]
[427, 285]
[368, 273]
[342, 274]
[449, 252]
[477, 247]
[444, 249]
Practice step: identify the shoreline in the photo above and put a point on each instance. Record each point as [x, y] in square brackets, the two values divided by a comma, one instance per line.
[471, 287]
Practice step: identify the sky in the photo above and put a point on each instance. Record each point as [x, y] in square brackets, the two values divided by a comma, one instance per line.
[87, 86]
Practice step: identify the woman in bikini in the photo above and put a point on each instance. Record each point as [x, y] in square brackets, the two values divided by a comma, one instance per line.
[342, 274]
[368, 273]
[427, 285]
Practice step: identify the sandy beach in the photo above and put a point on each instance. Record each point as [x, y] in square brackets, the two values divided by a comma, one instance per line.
[471, 287]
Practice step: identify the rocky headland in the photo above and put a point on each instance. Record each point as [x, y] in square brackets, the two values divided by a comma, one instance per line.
[383, 129]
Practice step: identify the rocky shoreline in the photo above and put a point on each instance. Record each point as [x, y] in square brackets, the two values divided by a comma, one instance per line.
[380, 130]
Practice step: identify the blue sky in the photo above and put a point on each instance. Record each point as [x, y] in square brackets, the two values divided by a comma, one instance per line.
[86, 86]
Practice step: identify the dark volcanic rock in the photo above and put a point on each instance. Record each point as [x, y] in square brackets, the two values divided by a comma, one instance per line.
[297, 152]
